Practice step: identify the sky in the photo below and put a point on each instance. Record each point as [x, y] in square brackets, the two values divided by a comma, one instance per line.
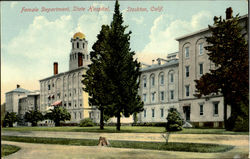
[33, 36]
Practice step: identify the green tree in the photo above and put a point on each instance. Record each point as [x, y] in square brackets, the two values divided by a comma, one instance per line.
[122, 70]
[58, 114]
[174, 121]
[33, 116]
[95, 81]
[228, 50]
[10, 119]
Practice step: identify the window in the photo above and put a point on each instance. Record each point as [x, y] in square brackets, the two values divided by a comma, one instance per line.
[162, 79]
[201, 68]
[171, 94]
[49, 87]
[201, 109]
[187, 91]
[145, 113]
[75, 115]
[144, 97]
[69, 104]
[171, 77]
[153, 113]
[187, 71]
[162, 96]
[90, 115]
[65, 104]
[153, 81]
[216, 108]
[80, 114]
[162, 112]
[153, 97]
[73, 45]
[77, 45]
[83, 56]
[83, 45]
[144, 82]
[187, 52]
[201, 48]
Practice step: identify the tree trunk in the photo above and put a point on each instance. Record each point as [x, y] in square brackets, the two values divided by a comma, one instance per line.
[101, 119]
[118, 124]
[225, 112]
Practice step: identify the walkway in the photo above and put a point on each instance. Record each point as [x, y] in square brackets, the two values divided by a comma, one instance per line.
[40, 151]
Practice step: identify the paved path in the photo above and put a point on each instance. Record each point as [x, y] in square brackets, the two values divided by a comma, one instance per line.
[40, 151]
[43, 151]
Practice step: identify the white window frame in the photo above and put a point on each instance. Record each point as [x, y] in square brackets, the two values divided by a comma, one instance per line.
[144, 97]
[187, 52]
[201, 48]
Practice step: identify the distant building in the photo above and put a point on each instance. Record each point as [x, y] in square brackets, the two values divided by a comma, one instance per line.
[159, 89]
[12, 98]
[29, 102]
[65, 89]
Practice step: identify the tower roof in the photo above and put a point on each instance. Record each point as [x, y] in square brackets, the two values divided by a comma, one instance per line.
[79, 35]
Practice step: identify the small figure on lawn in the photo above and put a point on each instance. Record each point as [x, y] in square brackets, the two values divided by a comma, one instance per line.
[103, 141]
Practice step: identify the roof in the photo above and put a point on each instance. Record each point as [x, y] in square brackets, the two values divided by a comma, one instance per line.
[157, 66]
[203, 30]
[19, 90]
[79, 35]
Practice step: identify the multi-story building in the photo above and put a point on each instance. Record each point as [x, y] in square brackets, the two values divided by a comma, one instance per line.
[65, 88]
[191, 64]
[12, 98]
[29, 102]
[159, 89]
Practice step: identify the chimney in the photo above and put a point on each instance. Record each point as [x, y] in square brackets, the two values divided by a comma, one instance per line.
[159, 61]
[17, 86]
[79, 59]
[55, 68]
[229, 13]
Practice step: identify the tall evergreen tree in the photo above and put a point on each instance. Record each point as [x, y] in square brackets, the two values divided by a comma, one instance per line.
[228, 50]
[122, 70]
[95, 81]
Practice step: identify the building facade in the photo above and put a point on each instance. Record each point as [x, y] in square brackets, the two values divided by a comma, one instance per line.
[65, 88]
[27, 103]
[190, 64]
[12, 98]
[159, 89]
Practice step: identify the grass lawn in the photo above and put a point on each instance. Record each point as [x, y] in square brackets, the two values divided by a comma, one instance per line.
[188, 147]
[125, 129]
[8, 149]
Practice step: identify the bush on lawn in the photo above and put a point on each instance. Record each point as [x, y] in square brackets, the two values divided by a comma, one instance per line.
[86, 123]
[174, 121]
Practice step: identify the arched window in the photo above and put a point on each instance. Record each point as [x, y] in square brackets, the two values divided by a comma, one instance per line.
[161, 78]
[83, 45]
[78, 45]
[152, 78]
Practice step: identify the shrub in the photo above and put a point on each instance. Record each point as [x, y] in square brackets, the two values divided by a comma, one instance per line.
[86, 122]
[174, 121]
